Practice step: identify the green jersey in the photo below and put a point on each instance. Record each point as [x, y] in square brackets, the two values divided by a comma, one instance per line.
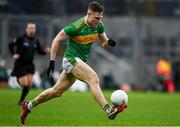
[81, 38]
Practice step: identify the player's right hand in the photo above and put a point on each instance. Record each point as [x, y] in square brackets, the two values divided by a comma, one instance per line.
[51, 67]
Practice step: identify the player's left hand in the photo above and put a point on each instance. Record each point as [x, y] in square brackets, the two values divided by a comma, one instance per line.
[16, 56]
[111, 42]
[51, 67]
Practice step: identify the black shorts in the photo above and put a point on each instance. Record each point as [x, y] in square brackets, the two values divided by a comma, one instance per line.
[20, 71]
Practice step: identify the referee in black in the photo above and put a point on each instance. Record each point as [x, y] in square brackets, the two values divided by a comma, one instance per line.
[23, 49]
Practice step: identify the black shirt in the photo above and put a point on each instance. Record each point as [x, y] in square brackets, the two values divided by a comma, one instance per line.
[26, 48]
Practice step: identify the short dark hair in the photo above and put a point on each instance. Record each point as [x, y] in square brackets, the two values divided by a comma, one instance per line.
[96, 7]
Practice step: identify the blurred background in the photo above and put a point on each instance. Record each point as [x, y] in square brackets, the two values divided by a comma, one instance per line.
[146, 31]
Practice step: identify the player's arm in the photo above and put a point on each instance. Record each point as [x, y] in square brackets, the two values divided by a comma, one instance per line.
[105, 41]
[14, 47]
[40, 50]
[64, 34]
[60, 38]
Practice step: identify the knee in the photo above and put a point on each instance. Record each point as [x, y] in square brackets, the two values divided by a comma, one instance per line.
[30, 83]
[23, 83]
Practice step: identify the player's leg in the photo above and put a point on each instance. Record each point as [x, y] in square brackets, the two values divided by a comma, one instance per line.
[24, 76]
[23, 82]
[85, 73]
[63, 83]
[26, 83]
[30, 80]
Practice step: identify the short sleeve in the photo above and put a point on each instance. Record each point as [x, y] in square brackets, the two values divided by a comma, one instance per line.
[101, 28]
[70, 30]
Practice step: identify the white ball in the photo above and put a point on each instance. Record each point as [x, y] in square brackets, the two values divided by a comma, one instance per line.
[119, 97]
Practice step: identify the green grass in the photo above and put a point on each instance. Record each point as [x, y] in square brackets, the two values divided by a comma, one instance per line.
[80, 109]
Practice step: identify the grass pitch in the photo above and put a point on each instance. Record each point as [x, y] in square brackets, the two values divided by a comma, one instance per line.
[80, 109]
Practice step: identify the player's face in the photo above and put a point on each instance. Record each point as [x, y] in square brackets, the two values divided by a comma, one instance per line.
[94, 18]
[31, 30]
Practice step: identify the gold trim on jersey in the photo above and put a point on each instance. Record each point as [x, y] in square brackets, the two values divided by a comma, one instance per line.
[79, 24]
[85, 39]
